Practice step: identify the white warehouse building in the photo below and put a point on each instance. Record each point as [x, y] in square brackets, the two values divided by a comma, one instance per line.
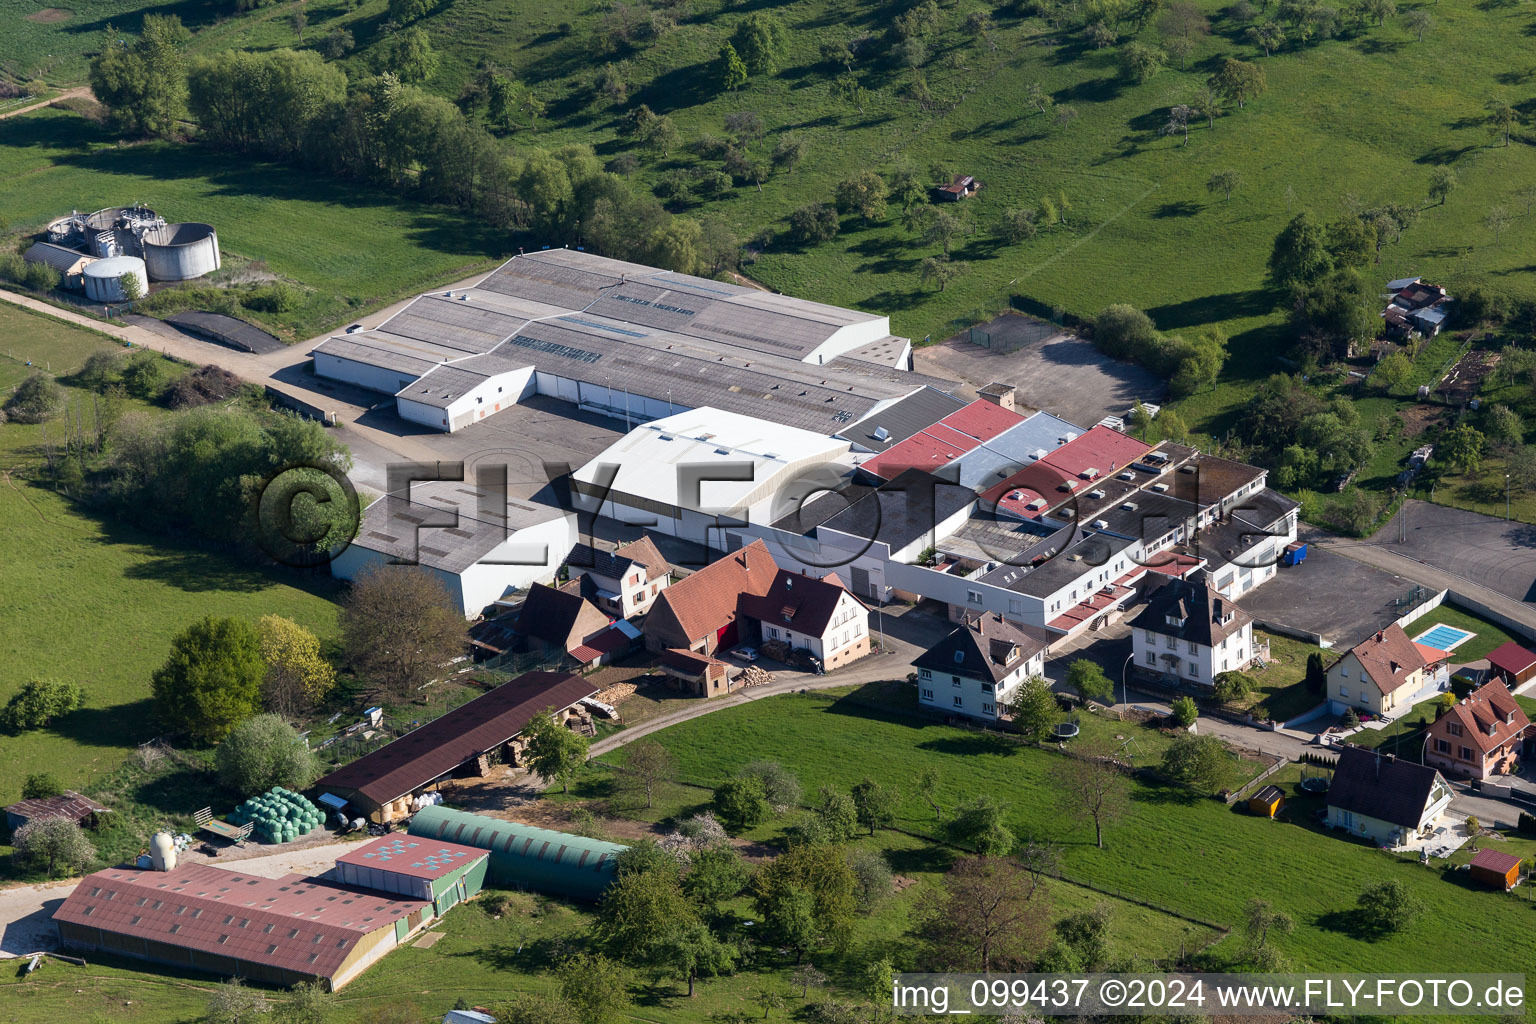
[626, 340]
[453, 530]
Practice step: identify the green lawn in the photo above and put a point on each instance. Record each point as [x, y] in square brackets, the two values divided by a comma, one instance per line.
[1488, 635]
[1280, 693]
[354, 246]
[92, 600]
[1183, 851]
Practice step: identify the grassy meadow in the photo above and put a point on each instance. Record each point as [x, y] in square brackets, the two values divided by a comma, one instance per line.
[95, 601]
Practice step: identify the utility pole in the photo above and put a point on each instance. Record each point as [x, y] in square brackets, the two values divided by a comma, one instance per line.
[1506, 497]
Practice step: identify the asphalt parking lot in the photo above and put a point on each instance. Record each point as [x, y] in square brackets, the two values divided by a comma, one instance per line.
[1338, 598]
[1495, 553]
[1052, 369]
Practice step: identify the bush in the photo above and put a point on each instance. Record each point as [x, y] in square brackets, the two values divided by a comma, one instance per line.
[41, 277]
[39, 702]
[277, 297]
[1185, 711]
[36, 399]
[103, 369]
[264, 753]
[212, 679]
[41, 786]
[741, 803]
[1526, 824]
[779, 785]
[144, 377]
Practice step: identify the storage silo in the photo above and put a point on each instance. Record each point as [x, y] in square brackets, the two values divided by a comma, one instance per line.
[525, 857]
[180, 252]
[116, 230]
[103, 278]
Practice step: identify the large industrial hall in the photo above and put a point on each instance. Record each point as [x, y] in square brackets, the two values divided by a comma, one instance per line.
[633, 342]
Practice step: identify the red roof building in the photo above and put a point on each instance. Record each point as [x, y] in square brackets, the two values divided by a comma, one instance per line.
[222, 921]
[1512, 664]
[935, 446]
[1495, 868]
[1480, 736]
[1101, 452]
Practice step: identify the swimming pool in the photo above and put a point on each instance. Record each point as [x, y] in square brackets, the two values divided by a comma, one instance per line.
[1443, 637]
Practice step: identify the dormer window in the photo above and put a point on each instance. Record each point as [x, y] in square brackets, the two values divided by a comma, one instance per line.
[959, 657]
[1175, 620]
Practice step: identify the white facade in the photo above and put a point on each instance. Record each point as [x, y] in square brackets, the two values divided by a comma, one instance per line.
[494, 394]
[533, 554]
[968, 695]
[364, 375]
[1387, 833]
[847, 626]
[1196, 663]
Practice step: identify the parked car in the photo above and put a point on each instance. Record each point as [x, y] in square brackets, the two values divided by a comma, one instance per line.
[354, 328]
[745, 653]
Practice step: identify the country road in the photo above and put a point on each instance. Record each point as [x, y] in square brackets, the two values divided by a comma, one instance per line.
[67, 94]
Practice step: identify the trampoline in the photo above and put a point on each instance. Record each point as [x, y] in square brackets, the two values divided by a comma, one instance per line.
[1444, 638]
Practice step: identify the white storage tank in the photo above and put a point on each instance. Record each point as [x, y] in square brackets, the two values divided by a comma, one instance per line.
[180, 252]
[103, 278]
[162, 852]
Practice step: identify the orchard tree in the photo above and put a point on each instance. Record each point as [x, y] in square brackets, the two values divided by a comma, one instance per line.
[742, 803]
[1464, 448]
[940, 270]
[263, 752]
[39, 702]
[212, 678]
[1017, 225]
[1300, 255]
[864, 194]
[1239, 81]
[1226, 182]
[1269, 37]
[1089, 680]
[1418, 21]
[875, 804]
[1033, 709]
[989, 914]
[1091, 787]
[1260, 920]
[1140, 62]
[978, 825]
[1199, 761]
[761, 40]
[1442, 182]
[1502, 117]
[1393, 372]
[1388, 906]
[53, 842]
[648, 765]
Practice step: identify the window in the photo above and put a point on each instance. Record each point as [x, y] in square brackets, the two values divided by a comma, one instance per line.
[1015, 606]
[1465, 753]
[773, 633]
[959, 701]
[479, 400]
[1151, 658]
[954, 680]
[1343, 671]
[986, 687]
[959, 657]
[1194, 670]
[925, 674]
[1173, 642]
[927, 694]
[988, 709]
[1442, 746]
[1192, 648]
[973, 597]
[1454, 728]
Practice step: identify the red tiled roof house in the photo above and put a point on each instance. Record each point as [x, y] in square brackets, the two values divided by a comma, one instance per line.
[1480, 737]
[1386, 674]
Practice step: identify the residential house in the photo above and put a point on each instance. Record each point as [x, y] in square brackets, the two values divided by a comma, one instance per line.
[698, 613]
[1190, 633]
[1386, 674]
[1383, 798]
[697, 673]
[978, 668]
[810, 614]
[1512, 664]
[623, 582]
[1480, 737]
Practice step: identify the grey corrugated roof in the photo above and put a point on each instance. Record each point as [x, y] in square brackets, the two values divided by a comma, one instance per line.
[424, 529]
[884, 350]
[442, 386]
[1076, 559]
[902, 418]
[898, 512]
[55, 256]
[379, 350]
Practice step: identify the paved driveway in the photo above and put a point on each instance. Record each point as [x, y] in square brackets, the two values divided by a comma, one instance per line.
[1494, 553]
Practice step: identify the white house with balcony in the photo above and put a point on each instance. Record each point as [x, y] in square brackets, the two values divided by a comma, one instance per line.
[1189, 633]
[978, 668]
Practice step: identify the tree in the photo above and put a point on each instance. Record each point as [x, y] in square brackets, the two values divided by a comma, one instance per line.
[298, 677]
[875, 804]
[596, 987]
[641, 907]
[553, 750]
[1503, 427]
[928, 786]
[1089, 680]
[805, 897]
[1180, 49]
[815, 223]
[527, 1008]
[1260, 918]
[1038, 98]
[847, 88]
[1101, 35]
[716, 874]
[779, 784]
[990, 914]
[1300, 254]
[399, 628]
[1185, 711]
[212, 678]
[263, 752]
[409, 55]
[233, 1003]
[805, 976]
[1140, 62]
[338, 43]
[873, 881]
[1199, 761]
[863, 194]
[1033, 709]
[1502, 117]
[144, 85]
[978, 825]
[834, 819]
[691, 950]
[761, 39]
[53, 842]
[1269, 37]
[130, 286]
[1239, 81]
[1316, 678]
[1178, 122]
[1464, 448]
[1017, 225]
[942, 228]
[37, 399]
[1388, 906]
[647, 765]
[1091, 787]
[39, 702]
[41, 786]
[1183, 19]
[789, 151]
[1125, 332]
[1497, 222]
[741, 803]
[1225, 182]
[941, 270]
